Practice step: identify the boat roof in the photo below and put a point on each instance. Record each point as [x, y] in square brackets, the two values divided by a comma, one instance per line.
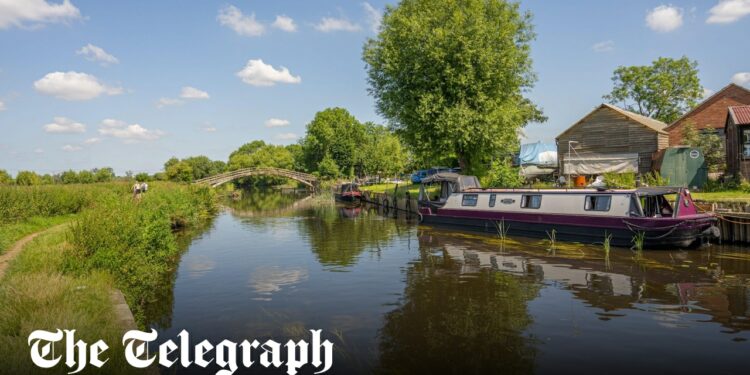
[464, 182]
[642, 191]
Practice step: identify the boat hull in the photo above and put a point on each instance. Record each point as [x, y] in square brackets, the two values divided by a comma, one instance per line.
[659, 233]
[347, 197]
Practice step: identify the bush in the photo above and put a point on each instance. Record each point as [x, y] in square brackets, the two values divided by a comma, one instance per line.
[502, 174]
[134, 240]
[21, 202]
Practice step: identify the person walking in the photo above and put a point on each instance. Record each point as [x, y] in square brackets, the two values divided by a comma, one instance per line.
[137, 190]
[144, 187]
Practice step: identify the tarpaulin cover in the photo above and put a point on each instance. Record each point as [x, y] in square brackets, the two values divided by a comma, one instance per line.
[600, 163]
[541, 154]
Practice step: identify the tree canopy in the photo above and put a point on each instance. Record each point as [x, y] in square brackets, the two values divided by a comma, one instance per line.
[334, 135]
[192, 168]
[450, 77]
[664, 90]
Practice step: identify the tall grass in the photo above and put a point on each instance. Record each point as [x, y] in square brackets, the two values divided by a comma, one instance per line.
[134, 240]
[19, 203]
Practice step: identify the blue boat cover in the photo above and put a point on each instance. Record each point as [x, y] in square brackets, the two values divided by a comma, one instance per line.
[542, 154]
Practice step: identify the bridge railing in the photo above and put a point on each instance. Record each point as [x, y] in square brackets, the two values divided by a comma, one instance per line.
[219, 179]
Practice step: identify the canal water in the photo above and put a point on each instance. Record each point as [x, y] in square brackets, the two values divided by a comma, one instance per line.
[398, 297]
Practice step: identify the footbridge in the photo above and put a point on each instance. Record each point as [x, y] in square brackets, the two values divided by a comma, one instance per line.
[219, 179]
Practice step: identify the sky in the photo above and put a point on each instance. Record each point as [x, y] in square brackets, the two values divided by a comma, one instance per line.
[87, 84]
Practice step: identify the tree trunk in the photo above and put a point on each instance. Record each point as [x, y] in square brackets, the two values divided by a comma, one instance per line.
[462, 162]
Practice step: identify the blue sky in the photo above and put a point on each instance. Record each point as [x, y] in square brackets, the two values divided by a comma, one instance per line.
[86, 84]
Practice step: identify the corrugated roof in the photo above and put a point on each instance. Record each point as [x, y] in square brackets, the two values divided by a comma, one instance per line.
[740, 114]
[648, 122]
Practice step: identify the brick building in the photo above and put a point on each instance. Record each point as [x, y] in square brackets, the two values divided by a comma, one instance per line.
[711, 114]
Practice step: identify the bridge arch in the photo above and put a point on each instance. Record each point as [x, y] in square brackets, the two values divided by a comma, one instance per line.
[219, 179]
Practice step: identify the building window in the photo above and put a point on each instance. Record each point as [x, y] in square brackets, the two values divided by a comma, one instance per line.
[598, 202]
[745, 142]
[469, 200]
[531, 201]
[493, 197]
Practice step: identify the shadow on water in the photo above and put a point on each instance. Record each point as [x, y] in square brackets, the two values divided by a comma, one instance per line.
[397, 297]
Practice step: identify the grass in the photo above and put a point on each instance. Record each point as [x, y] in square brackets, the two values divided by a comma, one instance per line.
[36, 294]
[722, 196]
[12, 232]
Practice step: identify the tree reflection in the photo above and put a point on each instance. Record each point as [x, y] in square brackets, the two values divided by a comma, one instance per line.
[339, 234]
[452, 322]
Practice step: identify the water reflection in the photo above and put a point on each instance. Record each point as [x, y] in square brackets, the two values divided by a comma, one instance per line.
[396, 297]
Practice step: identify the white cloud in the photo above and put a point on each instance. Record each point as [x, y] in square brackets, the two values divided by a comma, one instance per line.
[257, 73]
[129, 133]
[374, 17]
[71, 148]
[742, 78]
[284, 23]
[38, 151]
[728, 11]
[605, 46]
[664, 18]
[276, 122]
[34, 13]
[707, 92]
[330, 24]
[112, 123]
[73, 86]
[64, 125]
[193, 93]
[209, 129]
[233, 18]
[164, 102]
[91, 141]
[286, 136]
[94, 53]
[2, 106]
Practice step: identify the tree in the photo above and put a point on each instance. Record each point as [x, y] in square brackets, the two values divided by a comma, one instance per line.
[47, 179]
[328, 167]
[259, 154]
[28, 178]
[86, 177]
[69, 177]
[450, 77]
[711, 145]
[180, 171]
[663, 90]
[104, 174]
[5, 178]
[336, 134]
[384, 154]
[143, 177]
[204, 167]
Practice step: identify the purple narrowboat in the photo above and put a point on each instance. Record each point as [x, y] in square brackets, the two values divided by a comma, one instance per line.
[667, 217]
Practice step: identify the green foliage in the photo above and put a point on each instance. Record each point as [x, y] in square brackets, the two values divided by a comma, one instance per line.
[619, 180]
[86, 177]
[69, 177]
[143, 176]
[180, 171]
[383, 153]
[258, 154]
[654, 179]
[328, 167]
[450, 77]
[502, 174]
[336, 134]
[134, 240]
[5, 178]
[21, 202]
[663, 90]
[191, 168]
[104, 174]
[710, 143]
[28, 178]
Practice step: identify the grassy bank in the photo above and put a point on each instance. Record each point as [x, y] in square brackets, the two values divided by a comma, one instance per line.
[64, 278]
[392, 189]
[12, 232]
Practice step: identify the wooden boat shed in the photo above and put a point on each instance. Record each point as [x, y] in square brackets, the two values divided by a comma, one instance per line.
[610, 139]
[738, 141]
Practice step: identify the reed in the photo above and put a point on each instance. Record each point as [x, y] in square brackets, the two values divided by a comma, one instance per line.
[502, 229]
[638, 240]
[607, 240]
[552, 238]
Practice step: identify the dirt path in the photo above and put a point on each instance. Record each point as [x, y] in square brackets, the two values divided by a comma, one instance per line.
[7, 257]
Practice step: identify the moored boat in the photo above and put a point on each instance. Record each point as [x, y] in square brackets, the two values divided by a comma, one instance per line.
[579, 215]
[348, 192]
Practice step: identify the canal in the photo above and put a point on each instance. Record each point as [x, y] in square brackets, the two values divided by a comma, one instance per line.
[397, 297]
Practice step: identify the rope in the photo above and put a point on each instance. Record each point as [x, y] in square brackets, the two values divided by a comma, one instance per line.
[722, 217]
[671, 228]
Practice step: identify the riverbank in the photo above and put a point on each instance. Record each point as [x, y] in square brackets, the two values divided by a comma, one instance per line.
[65, 278]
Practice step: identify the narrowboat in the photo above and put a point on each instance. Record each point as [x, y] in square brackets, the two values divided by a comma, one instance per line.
[666, 217]
[348, 192]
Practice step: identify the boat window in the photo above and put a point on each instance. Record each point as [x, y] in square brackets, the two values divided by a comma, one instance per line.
[493, 197]
[469, 200]
[598, 202]
[531, 201]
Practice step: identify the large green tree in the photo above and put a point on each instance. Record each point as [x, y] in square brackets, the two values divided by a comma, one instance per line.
[384, 154]
[28, 178]
[664, 90]
[5, 178]
[450, 76]
[261, 154]
[336, 135]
